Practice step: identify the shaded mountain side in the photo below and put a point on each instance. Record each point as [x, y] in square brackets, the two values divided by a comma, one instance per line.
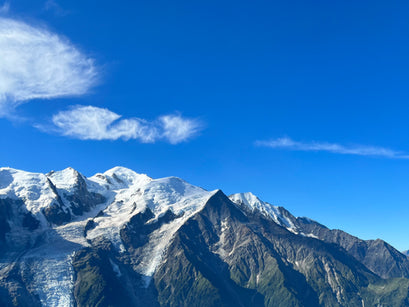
[14, 288]
[14, 215]
[97, 282]
[377, 255]
[249, 261]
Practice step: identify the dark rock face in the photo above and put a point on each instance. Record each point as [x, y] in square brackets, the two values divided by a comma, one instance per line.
[13, 212]
[6, 212]
[80, 201]
[377, 255]
[57, 214]
[136, 233]
[97, 284]
[13, 289]
[30, 222]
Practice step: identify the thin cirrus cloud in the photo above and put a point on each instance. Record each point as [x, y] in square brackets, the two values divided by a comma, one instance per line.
[5, 8]
[38, 64]
[360, 150]
[53, 6]
[93, 123]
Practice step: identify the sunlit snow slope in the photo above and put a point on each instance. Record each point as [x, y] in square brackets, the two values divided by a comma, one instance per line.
[112, 199]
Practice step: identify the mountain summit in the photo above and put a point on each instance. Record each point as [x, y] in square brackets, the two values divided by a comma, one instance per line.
[121, 238]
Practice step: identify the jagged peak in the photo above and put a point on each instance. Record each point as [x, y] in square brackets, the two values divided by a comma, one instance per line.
[254, 204]
[247, 198]
[66, 178]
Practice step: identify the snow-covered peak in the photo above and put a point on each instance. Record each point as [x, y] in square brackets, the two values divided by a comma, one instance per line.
[120, 178]
[65, 201]
[248, 199]
[65, 179]
[34, 188]
[253, 203]
[118, 170]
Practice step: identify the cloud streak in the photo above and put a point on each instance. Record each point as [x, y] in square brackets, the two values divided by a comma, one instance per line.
[53, 6]
[38, 64]
[360, 150]
[93, 123]
[5, 8]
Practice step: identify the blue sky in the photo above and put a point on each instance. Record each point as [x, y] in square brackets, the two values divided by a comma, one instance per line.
[304, 103]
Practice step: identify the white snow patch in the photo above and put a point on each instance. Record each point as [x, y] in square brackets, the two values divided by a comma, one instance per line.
[255, 204]
[257, 278]
[311, 235]
[222, 240]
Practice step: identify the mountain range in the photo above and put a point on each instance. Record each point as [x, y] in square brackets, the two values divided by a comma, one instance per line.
[120, 238]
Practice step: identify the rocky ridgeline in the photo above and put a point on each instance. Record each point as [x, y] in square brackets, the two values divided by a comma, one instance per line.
[124, 239]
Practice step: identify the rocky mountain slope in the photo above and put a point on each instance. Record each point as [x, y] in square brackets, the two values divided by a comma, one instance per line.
[377, 255]
[124, 239]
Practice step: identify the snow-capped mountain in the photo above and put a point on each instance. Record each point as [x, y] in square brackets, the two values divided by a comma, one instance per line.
[61, 205]
[392, 263]
[248, 201]
[121, 238]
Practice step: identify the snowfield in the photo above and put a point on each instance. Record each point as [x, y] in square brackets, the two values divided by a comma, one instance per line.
[126, 192]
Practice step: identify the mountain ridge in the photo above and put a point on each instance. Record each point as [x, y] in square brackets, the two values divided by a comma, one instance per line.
[166, 242]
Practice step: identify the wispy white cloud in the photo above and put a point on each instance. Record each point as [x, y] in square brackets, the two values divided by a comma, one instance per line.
[36, 63]
[53, 6]
[93, 123]
[360, 150]
[177, 129]
[5, 7]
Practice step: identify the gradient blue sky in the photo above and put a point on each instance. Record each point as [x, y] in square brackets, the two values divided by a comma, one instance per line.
[304, 103]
